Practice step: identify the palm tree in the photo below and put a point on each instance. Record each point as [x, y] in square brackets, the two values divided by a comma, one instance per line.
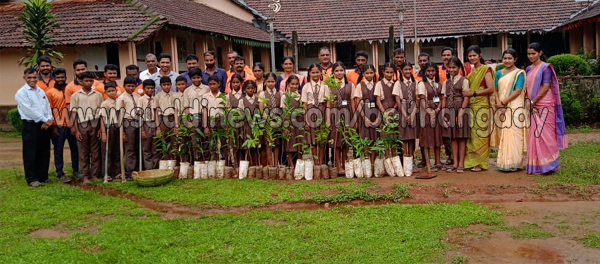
[38, 24]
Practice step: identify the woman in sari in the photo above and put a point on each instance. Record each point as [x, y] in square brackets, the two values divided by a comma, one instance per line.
[481, 81]
[547, 131]
[510, 100]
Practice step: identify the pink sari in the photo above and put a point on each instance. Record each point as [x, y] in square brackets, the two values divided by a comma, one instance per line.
[547, 131]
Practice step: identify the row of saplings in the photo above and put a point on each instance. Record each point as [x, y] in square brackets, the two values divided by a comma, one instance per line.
[356, 166]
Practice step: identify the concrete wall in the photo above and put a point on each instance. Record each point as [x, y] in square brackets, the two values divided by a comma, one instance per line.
[230, 7]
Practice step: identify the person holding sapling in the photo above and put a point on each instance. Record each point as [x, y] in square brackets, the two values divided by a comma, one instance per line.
[405, 91]
[269, 102]
[342, 102]
[233, 100]
[213, 110]
[290, 103]
[166, 122]
[430, 96]
[313, 96]
[364, 99]
[249, 104]
[386, 102]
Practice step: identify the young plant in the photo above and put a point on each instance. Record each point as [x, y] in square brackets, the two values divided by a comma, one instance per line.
[184, 146]
[162, 145]
[257, 127]
[332, 82]
[390, 129]
[38, 25]
[305, 148]
[199, 146]
[379, 147]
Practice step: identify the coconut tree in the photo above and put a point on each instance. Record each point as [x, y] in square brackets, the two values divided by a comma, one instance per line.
[38, 24]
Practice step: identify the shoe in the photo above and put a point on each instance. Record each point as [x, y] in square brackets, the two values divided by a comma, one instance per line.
[36, 184]
[66, 179]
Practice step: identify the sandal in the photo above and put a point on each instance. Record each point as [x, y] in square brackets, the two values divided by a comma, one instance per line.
[449, 162]
[439, 166]
[460, 170]
[421, 164]
[434, 169]
[451, 169]
[475, 169]
[426, 176]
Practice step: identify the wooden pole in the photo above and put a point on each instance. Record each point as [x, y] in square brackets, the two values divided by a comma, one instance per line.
[295, 50]
[121, 133]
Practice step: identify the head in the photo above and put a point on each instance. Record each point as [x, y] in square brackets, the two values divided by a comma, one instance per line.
[164, 62]
[509, 58]
[271, 80]
[239, 63]
[111, 72]
[149, 84]
[30, 77]
[259, 70]
[455, 66]
[60, 77]
[288, 64]
[110, 89]
[535, 53]
[130, 83]
[399, 56]
[314, 72]
[231, 57]
[133, 71]
[447, 53]
[293, 83]
[181, 83]
[165, 84]
[422, 59]
[407, 69]
[79, 66]
[431, 71]
[44, 64]
[368, 73]
[236, 82]
[389, 71]
[151, 62]
[339, 70]
[249, 87]
[87, 79]
[474, 55]
[324, 55]
[214, 83]
[195, 75]
[191, 61]
[360, 58]
[210, 59]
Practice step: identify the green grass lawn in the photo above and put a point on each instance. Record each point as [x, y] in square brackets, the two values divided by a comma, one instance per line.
[580, 165]
[127, 233]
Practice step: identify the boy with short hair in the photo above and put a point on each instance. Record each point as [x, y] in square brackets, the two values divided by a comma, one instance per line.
[128, 113]
[148, 127]
[111, 73]
[110, 132]
[85, 104]
[181, 83]
[165, 112]
[213, 109]
[134, 71]
[192, 104]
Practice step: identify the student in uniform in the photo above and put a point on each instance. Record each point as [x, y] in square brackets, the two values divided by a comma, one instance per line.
[233, 100]
[364, 99]
[288, 70]
[84, 104]
[249, 104]
[165, 113]
[134, 71]
[430, 96]
[405, 91]
[110, 133]
[111, 73]
[259, 73]
[213, 110]
[79, 66]
[181, 84]
[129, 114]
[148, 127]
[293, 83]
[192, 107]
[343, 102]
[46, 78]
[191, 62]
[271, 106]
[313, 96]
[385, 100]
[60, 112]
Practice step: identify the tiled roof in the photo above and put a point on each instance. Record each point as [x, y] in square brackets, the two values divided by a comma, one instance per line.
[586, 13]
[197, 16]
[353, 20]
[84, 22]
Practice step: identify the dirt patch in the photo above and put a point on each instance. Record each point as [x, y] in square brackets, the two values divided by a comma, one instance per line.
[60, 231]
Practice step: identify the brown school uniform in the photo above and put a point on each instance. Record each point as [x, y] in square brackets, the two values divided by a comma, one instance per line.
[453, 89]
[191, 101]
[294, 130]
[366, 92]
[248, 105]
[272, 105]
[215, 110]
[343, 100]
[128, 103]
[86, 106]
[233, 100]
[313, 95]
[407, 90]
[430, 136]
[150, 155]
[108, 111]
[383, 90]
[165, 113]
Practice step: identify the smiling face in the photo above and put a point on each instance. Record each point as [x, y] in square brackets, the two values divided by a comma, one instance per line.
[423, 60]
[533, 55]
[508, 60]
[31, 79]
[388, 73]
[324, 56]
[407, 71]
[453, 69]
[339, 72]
[294, 85]
[111, 75]
[44, 68]
[60, 79]
[430, 72]
[239, 66]
[315, 74]
[191, 64]
[258, 73]
[288, 66]
[165, 64]
[474, 58]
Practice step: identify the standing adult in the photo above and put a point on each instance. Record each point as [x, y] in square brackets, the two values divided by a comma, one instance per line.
[325, 60]
[151, 65]
[79, 67]
[447, 53]
[421, 61]
[288, 70]
[164, 62]
[240, 65]
[399, 59]
[360, 58]
[481, 81]
[231, 59]
[547, 132]
[191, 62]
[46, 79]
[210, 60]
[36, 118]
[510, 100]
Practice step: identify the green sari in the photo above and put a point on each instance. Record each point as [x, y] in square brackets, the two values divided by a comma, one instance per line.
[478, 146]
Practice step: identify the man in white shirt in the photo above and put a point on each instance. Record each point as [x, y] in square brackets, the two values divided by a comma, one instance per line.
[151, 65]
[36, 118]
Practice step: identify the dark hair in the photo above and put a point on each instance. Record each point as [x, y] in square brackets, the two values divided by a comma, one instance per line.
[148, 82]
[324, 48]
[110, 67]
[232, 51]
[210, 53]
[537, 47]
[237, 77]
[87, 74]
[385, 66]
[194, 72]
[404, 64]
[512, 52]
[59, 71]
[450, 49]
[44, 58]
[437, 71]
[132, 67]
[288, 58]
[340, 64]
[29, 71]
[424, 54]
[213, 77]
[312, 66]
[79, 62]
[365, 68]
[192, 57]
[178, 79]
[239, 58]
[259, 65]
[165, 79]
[274, 76]
[361, 53]
[130, 80]
[290, 79]
[399, 51]
[110, 85]
[476, 49]
[248, 83]
[457, 62]
[164, 56]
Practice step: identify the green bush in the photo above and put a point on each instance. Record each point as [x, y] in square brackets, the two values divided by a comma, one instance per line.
[594, 108]
[15, 119]
[570, 65]
[499, 67]
[572, 109]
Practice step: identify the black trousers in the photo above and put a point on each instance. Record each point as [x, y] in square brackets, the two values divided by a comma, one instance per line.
[36, 151]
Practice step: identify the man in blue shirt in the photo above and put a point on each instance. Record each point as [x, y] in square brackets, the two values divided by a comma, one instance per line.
[211, 69]
[36, 118]
[191, 61]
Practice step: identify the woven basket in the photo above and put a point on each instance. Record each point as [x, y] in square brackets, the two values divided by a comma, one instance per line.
[151, 178]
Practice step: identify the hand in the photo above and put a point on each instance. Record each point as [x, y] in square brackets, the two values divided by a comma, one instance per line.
[367, 122]
[432, 119]
[103, 138]
[467, 93]
[144, 135]
[124, 138]
[49, 123]
[78, 136]
[44, 126]
[206, 131]
[73, 130]
[157, 130]
[460, 117]
[99, 134]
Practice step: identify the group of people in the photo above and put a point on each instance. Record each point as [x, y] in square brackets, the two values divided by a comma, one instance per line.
[465, 109]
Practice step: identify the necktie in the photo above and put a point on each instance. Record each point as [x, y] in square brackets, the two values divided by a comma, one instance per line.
[450, 92]
[410, 91]
[316, 94]
[149, 110]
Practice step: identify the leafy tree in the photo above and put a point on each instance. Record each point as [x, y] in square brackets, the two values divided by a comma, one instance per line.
[38, 24]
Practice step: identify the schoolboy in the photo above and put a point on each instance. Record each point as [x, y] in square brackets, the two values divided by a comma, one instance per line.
[148, 128]
[165, 112]
[108, 119]
[111, 73]
[128, 113]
